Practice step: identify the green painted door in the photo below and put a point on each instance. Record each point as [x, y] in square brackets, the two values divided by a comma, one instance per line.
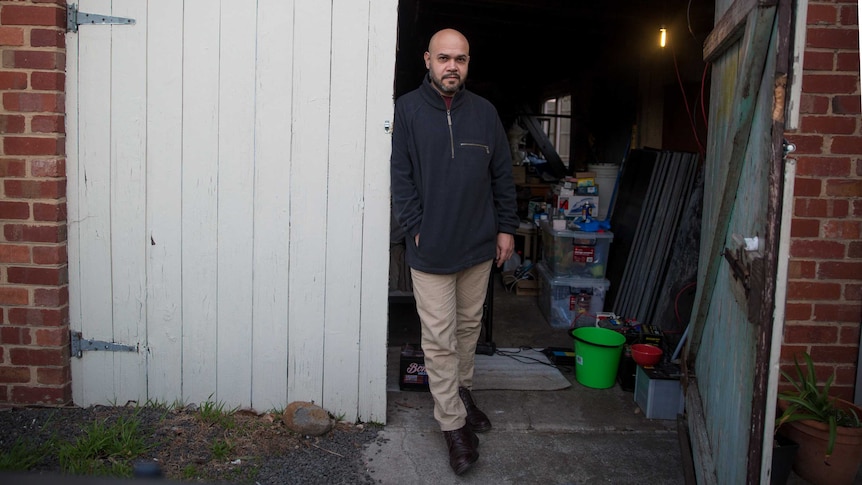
[731, 327]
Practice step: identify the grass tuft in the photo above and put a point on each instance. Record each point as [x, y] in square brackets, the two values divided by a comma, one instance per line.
[104, 449]
[23, 455]
[189, 472]
[221, 449]
[215, 413]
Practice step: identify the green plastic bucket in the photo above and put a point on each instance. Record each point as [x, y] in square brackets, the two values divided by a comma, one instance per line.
[597, 356]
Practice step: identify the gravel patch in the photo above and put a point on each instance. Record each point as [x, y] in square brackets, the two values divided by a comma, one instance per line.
[261, 449]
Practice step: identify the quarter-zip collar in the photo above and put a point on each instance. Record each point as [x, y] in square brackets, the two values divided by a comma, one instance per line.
[435, 99]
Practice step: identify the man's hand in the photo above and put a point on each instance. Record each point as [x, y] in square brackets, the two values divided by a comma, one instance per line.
[416, 240]
[505, 247]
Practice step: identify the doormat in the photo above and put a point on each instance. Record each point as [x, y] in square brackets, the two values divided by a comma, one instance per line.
[517, 370]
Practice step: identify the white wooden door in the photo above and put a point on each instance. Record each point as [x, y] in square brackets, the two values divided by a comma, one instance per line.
[229, 201]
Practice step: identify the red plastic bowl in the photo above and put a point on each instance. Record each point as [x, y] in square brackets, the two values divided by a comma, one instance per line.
[646, 354]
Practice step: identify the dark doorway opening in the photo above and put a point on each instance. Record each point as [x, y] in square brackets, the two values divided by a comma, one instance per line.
[602, 59]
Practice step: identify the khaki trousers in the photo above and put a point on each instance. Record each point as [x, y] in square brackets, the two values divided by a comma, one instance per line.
[450, 310]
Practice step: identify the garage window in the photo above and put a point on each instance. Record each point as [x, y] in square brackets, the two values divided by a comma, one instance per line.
[557, 124]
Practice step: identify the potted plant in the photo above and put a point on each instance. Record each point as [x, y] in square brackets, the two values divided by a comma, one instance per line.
[827, 429]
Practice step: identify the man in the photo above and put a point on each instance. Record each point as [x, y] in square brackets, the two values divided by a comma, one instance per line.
[453, 194]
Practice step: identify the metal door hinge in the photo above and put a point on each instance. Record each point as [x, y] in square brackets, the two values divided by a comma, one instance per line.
[80, 344]
[74, 18]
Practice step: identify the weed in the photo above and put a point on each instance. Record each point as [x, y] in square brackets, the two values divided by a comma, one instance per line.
[221, 449]
[189, 472]
[161, 406]
[104, 449]
[276, 411]
[23, 455]
[215, 413]
[157, 404]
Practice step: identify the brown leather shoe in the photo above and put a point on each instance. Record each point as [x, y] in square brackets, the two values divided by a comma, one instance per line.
[462, 449]
[477, 420]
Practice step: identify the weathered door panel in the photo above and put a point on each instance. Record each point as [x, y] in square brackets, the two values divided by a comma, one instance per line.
[228, 202]
[724, 351]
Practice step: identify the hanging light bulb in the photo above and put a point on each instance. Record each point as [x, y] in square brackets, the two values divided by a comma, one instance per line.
[662, 40]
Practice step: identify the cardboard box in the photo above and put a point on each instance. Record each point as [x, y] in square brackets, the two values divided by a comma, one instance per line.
[412, 375]
[586, 182]
[519, 174]
[572, 205]
[588, 190]
[527, 288]
[521, 286]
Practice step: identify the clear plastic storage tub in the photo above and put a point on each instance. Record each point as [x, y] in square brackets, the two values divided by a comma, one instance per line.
[576, 253]
[568, 302]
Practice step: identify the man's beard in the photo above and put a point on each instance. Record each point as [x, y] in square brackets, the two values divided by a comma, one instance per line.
[447, 89]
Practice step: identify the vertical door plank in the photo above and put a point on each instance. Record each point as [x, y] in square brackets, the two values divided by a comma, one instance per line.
[93, 249]
[273, 141]
[128, 199]
[308, 195]
[235, 200]
[73, 212]
[200, 198]
[375, 229]
[345, 206]
[164, 199]
[726, 386]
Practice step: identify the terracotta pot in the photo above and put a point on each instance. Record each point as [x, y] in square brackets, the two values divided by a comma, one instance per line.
[812, 437]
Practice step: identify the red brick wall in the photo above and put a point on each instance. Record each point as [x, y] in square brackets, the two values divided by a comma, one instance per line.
[34, 292]
[824, 287]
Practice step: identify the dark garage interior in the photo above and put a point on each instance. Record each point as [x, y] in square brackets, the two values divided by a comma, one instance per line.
[605, 54]
[593, 75]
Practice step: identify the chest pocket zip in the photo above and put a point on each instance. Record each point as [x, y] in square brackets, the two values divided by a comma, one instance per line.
[479, 145]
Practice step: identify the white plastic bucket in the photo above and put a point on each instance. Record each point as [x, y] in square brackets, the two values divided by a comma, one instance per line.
[606, 178]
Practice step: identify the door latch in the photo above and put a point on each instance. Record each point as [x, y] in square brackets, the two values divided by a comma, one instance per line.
[748, 268]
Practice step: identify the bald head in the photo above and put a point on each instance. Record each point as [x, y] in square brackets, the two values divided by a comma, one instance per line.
[447, 59]
[447, 37]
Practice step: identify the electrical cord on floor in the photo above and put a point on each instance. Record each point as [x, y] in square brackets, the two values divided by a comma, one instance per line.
[523, 272]
[524, 359]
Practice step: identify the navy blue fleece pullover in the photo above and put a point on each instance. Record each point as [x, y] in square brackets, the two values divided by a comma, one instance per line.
[451, 179]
